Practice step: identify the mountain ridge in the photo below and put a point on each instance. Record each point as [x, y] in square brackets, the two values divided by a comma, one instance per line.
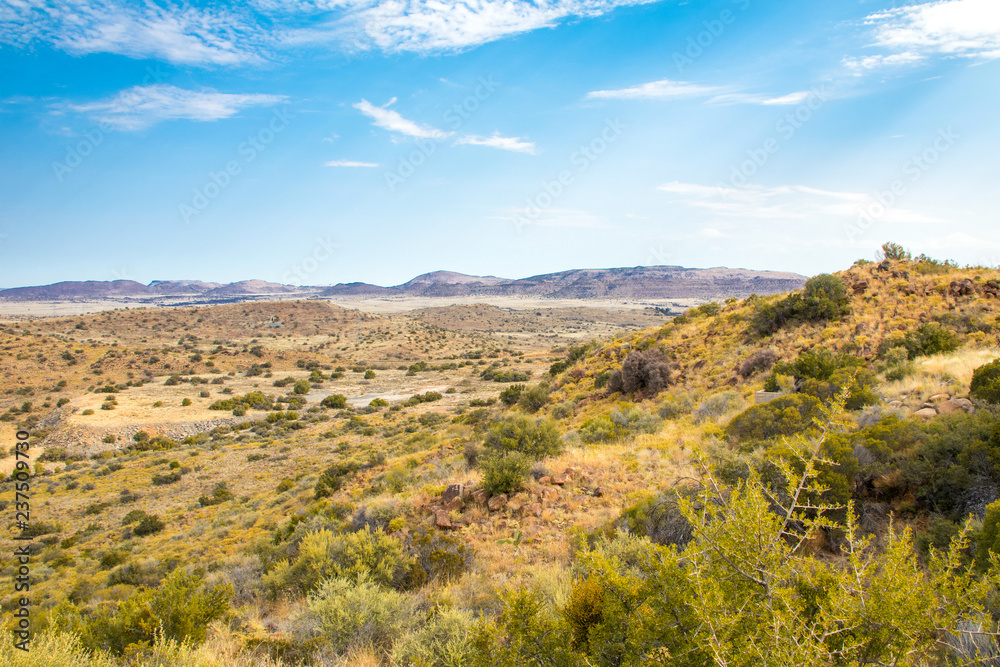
[640, 282]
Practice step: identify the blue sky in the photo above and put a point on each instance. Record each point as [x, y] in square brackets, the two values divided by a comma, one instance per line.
[317, 142]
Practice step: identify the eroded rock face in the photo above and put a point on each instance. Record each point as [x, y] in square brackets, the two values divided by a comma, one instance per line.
[453, 491]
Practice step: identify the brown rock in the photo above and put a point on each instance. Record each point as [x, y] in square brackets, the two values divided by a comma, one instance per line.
[926, 413]
[455, 503]
[535, 509]
[939, 398]
[514, 506]
[497, 502]
[545, 480]
[570, 472]
[560, 480]
[453, 491]
[956, 405]
[479, 496]
[441, 519]
[598, 492]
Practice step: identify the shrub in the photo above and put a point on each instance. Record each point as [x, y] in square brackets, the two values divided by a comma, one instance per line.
[928, 339]
[284, 485]
[986, 383]
[442, 641]
[718, 405]
[437, 555]
[534, 399]
[989, 538]
[87, 412]
[148, 525]
[219, 495]
[823, 298]
[378, 403]
[504, 471]
[600, 429]
[369, 374]
[359, 613]
[301, 387]
[784, 416]
[185, 402]
[677, 404]
[535, 438]
[331, 479]
[512, 394]
[335, 401]
[255, 400]
[180, 609]
[646, 371]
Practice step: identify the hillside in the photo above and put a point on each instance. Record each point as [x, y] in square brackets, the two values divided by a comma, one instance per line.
[473, 498]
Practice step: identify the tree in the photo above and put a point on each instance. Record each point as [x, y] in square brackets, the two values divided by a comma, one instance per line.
[895, 252]
[986, 382]
[646, 371]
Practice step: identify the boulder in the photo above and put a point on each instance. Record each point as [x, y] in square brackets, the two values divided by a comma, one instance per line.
[441, 519]
[479, 496]
[455, 503]
[497, 502]
[545, 480]
[939, 398]
[453, 491]
[598, 492]
[559, 480]
[926, 413]
[956, 405]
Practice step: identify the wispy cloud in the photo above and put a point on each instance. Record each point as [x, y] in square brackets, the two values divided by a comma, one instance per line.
[666, 89]
[390, 120]
[785, 202]
[142, 106]
[949, 28]
[514, 144]
[658, 90]
[184, 35]
[439, 25]
[349, 163]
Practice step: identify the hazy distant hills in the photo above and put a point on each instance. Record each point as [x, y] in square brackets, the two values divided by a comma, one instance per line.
[637, 283]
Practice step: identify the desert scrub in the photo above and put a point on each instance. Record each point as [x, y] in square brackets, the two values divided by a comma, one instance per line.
[351, 614]
[444, 640]
[504, 471]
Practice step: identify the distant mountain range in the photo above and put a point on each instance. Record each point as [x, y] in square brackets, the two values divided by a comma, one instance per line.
[637, 283]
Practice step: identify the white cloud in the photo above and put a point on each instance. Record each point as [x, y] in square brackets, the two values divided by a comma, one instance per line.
[142, 106]
[439, 25]
[658, 90]
[786, 202]
[388, 119]
[349, 163]
[183, 35]
[514, 144]
[665, 89]
[950, 28]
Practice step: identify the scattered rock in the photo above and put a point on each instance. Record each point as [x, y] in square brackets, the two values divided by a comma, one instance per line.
[860, 287]
[441, 519]
[963, 288]
[926, 413]
[939, 398]
[895, 404]
[497, 502]
[598, 492]
[956, 405]
[453, 491]
[545, 480]
[479, 496]
[535, 509]
[559, 480]
[455, 503]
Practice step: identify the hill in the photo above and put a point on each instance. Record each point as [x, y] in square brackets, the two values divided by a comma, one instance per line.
[639, 283]
[303, 496]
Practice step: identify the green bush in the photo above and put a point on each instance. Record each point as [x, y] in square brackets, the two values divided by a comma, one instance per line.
[535, 438]
[784, 416]
[601, 429]
[928, 339]
[512, 394]
[148, 524]
[438, 556]
[444, 640]
[718, 405]
[359, 613]
[180, 609]
[335, 401]
[823, 298]
[331, 479]
[534, 399]
[253, 400]
[369, 374]
[677, 404]
[504, 471]
[986, 383]
[989, 538]
[301, 387]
